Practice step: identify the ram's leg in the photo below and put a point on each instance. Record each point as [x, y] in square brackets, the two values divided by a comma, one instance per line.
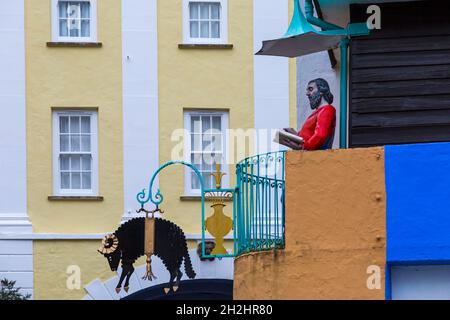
[173, 274]
[177, 283]
[126, 286]
[122, 276]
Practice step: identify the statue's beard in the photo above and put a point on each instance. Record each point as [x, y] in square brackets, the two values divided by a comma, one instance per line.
[315, 100]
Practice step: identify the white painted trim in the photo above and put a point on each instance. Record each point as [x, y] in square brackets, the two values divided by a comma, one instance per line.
[223, 24]
[13, 162]
[94, 153]
[187, 146]
[271, 74]
[139, 99]
[16, 263]
[15, 224]
[92, 24]
[80, 236]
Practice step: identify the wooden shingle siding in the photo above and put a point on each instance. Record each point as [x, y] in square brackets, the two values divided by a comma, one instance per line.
[400, 76]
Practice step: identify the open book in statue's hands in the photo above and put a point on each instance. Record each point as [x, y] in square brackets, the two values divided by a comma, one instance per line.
[288, 137]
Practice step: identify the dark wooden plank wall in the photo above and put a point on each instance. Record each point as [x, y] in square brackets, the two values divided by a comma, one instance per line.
[400, 76]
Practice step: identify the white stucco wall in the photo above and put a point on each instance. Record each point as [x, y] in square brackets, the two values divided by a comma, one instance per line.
[310, 67]
[16, 259]
[140, 97]
[271, 74]
[13, 191]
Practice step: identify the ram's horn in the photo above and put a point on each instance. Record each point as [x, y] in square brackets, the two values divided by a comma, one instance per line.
[109, 244]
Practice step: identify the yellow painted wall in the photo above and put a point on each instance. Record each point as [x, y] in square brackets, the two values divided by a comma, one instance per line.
[73, 78]
[51, 259]
[335, 230]
[207, 79]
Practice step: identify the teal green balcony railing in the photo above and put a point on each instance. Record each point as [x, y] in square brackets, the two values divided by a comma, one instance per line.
[259, 204]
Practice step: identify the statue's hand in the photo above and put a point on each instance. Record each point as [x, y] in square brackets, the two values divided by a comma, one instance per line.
[291, 144]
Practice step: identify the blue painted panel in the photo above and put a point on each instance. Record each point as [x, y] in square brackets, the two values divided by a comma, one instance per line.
[418, 202]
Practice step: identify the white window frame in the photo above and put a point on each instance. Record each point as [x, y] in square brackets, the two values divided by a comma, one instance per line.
[92, 24]
[187, 148]
[57, 191]
[223, 24]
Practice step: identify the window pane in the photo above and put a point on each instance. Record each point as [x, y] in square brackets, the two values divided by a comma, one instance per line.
[193, 10]
[207, 145]
[196, 142]
[204, 29]
[85, 10]
[216, 158]
[64, 124]
[86, 143]
[85, 28]
[207, 179]
[74, 30]
[62, 5]
[65, 180]
[195, 183]
[217, 123]
[196, 159]
[206, 123]
[204, 11]
[215, 11]
[86, 180]
[74, 124]
[195, 124]
[63, 29]
[210, 138]
[207, 162]
[74, 143]
[74, 19]
[217, 142]
[194, 29]
[85, 125]
[215, 29]
[86, 162]
[75, 163]
[76, 180]
[64, 143]
[74, 10]
[64, 162]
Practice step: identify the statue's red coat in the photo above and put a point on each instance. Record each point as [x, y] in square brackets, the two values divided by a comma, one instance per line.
[318, 130]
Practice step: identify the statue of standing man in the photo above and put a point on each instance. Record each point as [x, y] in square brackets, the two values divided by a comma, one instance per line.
[317, 132]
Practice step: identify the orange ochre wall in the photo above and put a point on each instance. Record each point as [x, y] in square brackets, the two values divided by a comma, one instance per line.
[335, 231]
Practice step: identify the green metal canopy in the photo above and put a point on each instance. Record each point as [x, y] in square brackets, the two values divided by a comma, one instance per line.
[302, 38]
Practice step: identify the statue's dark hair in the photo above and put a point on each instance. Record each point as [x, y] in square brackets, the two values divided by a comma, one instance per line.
[324, 89]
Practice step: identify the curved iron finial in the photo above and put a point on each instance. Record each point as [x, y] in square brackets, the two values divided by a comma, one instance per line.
[158, 198]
